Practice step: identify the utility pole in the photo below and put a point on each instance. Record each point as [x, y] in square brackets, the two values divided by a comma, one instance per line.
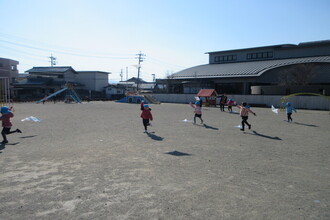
[141, 58]
[121, 75]
[52, 60]
[126, 73]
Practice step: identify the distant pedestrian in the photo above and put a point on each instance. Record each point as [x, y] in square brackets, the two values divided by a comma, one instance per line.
[6, 123]
[289, 108]
[223, 101]
[197, 111]
[146, 116]
[244, 113]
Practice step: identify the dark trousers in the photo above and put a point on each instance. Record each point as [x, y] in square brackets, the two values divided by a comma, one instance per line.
[244, 121]
[6, 131]
[289, 116]
[145, 123]
[222, 107]
[198, 116]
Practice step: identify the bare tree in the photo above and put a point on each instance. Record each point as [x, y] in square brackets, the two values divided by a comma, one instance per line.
[285, 78]
[169, 77]
[300, 74]
[303, 73]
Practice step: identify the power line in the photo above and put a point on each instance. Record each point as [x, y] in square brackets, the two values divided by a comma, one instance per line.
[61, 52]
[51, 46]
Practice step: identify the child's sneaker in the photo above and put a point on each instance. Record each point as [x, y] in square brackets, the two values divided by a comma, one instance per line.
[18, 131]
[249, 126]
[145, 131]
[242, 129]
[4, 142]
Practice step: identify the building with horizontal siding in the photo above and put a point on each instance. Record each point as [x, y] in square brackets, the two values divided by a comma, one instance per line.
[269, 70]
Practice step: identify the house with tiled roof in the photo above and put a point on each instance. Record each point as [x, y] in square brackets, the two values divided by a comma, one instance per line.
[43, 81]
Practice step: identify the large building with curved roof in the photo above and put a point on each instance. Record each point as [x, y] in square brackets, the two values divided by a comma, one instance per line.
[277, 69]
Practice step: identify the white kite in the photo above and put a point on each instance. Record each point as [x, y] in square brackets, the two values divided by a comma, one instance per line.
[275, 110]
[31, 118]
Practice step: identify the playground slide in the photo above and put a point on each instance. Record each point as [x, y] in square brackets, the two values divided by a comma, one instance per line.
[54, 94]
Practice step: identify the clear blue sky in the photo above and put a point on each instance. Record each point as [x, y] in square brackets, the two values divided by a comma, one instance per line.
[106, 35]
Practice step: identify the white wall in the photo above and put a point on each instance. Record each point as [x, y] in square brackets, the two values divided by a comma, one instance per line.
[304, 102]
[93, 80]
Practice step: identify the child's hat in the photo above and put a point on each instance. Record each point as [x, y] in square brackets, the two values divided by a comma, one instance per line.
[4, 110]
[288, 103]
[146, 106]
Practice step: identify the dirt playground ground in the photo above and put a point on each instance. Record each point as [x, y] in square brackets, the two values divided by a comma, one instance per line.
[93, 161]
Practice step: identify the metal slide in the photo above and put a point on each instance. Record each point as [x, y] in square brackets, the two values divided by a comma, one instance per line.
[54, 94]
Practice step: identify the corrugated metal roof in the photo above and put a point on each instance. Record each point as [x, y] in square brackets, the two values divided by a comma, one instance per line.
[93, 72]
[54, 69]
[243, 69]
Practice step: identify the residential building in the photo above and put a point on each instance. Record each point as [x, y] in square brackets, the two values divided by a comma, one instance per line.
[8, 68]
[93, 80]
[8, 76]
[42, 81]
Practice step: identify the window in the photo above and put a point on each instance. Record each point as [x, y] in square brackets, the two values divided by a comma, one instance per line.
[260, 55]
[13, 67]
[221, 59]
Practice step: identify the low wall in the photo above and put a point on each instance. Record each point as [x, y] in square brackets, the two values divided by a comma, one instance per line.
[302, 102]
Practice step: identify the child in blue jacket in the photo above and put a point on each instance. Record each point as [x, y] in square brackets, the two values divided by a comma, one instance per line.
[289, 108]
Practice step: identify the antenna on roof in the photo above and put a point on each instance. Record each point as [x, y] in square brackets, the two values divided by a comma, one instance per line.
[52, 60]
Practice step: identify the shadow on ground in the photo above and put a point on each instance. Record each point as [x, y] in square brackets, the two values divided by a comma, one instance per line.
[2, 146]
[155, 137]
[297, 123]
[264, 136]
[29, 136]
[210, 127]
[177, 153]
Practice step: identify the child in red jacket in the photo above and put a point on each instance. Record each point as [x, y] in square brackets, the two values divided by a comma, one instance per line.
[6, 123]
[146, 116]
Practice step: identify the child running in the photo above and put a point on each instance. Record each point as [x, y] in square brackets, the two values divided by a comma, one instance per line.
[197, 111]
[244, 113]
[289, 108]
[6, 123]
[146, 116]
[230, 103]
